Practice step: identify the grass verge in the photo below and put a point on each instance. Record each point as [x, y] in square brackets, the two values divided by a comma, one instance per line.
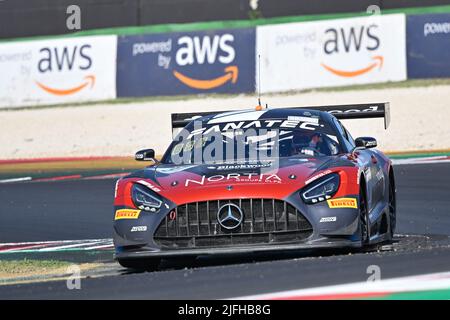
[12, 268]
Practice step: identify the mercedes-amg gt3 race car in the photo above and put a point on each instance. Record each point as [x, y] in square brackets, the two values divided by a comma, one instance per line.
[257, 181]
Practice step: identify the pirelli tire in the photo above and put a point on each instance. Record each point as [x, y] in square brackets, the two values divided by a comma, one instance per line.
[364, 225]
[392, 206]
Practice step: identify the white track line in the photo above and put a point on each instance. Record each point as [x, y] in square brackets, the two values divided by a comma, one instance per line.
[16, 180]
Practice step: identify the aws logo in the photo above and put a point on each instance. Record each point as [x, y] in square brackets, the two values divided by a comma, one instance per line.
[342, 41]
[206, 50]
[65, 60]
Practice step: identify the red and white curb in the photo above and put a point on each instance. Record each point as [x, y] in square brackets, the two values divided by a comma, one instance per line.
[55, 246]
[427, 282]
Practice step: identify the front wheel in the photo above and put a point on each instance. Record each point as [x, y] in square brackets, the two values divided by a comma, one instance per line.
[392, 208]
[364, 224]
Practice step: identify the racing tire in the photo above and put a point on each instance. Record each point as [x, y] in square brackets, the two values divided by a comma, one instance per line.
[363, 218]
[142, 264]
[392, 208]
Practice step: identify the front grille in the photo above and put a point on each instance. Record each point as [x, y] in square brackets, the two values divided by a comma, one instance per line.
[266, 221]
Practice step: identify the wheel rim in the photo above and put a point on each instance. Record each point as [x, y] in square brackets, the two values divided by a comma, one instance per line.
[392, 208]
[363, 219]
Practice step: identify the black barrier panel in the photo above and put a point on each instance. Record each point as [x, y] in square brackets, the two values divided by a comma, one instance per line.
[221, 61]
[395, 4]
[428, 46]
[19, 18]
[270, 8]
[180, 11]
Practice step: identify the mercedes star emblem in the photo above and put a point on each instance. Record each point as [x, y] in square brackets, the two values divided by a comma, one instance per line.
[230, 216]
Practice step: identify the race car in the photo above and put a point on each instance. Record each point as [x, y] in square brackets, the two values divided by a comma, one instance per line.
[258, 180]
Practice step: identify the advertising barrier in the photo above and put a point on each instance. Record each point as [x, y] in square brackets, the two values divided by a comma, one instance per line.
[220, 61]
[57, 71]
[294, 56]
[332, 52]
[428, 43]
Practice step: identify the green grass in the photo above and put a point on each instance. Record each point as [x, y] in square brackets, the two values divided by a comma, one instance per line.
[27, 266]
[440, 294]
[377, 86]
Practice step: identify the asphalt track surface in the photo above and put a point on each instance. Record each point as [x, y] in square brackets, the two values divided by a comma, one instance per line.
[83, 210]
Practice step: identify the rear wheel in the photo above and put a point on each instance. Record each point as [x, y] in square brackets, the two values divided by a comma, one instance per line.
[140, 263]
[363, 218]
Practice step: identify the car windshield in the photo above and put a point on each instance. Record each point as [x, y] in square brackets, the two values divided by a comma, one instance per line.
[252, 140]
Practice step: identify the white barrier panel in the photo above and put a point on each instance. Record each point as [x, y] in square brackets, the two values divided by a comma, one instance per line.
[332, 52]
[57, 71]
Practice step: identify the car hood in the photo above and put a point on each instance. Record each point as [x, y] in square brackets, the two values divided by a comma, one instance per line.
[271, 179]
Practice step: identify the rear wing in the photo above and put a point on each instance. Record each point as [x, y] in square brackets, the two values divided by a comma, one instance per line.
[359, 111]
[348, 111]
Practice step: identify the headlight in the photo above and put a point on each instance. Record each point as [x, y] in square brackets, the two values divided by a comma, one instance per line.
[321, 190]
[143, 198]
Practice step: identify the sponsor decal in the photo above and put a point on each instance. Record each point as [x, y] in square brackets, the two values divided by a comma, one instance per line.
[206, 50]
[428, 45]
[355, 73]
[139, 229]
[342, 203]
[317, 176]
[235, 177]
[305, 123]
[149, 185]
[89, 81]
[240, 166]
[328, 219]
[370, 109]
[436, 28]
[231, 74]
[353, 39]
[332, 52]
[58, 59]
[371, 144]
[127, 214]
[183, 63]
[58, 71]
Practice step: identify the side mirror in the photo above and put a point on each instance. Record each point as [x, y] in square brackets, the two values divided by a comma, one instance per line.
[145, 155]
[365, 142]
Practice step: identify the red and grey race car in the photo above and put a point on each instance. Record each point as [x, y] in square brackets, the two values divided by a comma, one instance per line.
[257, 181]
